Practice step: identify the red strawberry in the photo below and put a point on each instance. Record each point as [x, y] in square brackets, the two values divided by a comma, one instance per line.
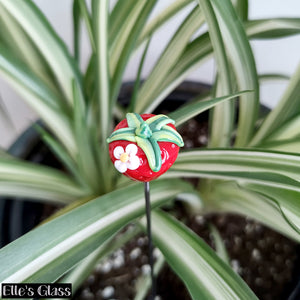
[143, 147]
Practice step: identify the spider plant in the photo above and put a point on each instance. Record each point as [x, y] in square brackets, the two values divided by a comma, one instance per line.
[250, 166]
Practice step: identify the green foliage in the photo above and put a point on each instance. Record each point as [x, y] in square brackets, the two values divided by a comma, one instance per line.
[212, 278]
[256, 173]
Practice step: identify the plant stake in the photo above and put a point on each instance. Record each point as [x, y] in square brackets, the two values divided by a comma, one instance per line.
[143, 147]
[150, 243]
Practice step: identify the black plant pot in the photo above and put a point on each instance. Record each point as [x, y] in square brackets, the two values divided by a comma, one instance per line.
[18, 216]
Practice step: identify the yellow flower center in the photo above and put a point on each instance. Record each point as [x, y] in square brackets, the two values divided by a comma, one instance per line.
[124, 157]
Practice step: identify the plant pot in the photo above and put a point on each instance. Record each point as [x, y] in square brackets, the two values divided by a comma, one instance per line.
[19, 216]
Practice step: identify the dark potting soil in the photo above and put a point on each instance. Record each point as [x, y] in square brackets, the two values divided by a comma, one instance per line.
[266, 260]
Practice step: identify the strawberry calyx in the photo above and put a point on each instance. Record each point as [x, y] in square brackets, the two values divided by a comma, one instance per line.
[147, 134]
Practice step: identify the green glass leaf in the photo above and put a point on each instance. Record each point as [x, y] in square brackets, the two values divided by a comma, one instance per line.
[152, 152]
[125, 136]
[121, 131]
[157, 155]
[166, 135]
[144, 131]
[134, 120]
[146, 134]
[157, 122]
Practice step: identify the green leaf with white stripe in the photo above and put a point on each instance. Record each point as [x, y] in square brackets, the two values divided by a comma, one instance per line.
[287, 131]
[272, 28]
[219, 244]
[34, 23]
[243, 64]
[60, 152]
[241, 7]
[137, 81]
[48, 252]
[205, 275]
[286, 145]
[265, 167]
[194, 54]
[36, 192]
[168, 59]
[232, 198]
[120, 11]
[82, 271]
[199, 49]
[273, 76]
[119, 35]
[132, 33]
[197, 106]
[287, 108]
[86, 157]
[222, 119]
[88, 22]
[100, 23]
[50, 108]
[76, 30]
[18, 42]
[38, 181]
[287, 200]
[163, 17]
[197, 52]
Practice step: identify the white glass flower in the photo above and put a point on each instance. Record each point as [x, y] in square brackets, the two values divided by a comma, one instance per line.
[126, 159]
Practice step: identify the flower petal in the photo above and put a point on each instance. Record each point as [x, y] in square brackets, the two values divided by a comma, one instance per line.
[118, 151]
[121, 167]
[131, 149]
[133, 163]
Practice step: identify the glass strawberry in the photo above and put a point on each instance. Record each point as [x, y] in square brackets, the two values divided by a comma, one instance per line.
[143, 147]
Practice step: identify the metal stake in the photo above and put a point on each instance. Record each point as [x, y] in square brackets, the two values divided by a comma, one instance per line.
[150, 244]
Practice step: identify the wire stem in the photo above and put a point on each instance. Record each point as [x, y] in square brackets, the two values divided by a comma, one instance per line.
[150, 244]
